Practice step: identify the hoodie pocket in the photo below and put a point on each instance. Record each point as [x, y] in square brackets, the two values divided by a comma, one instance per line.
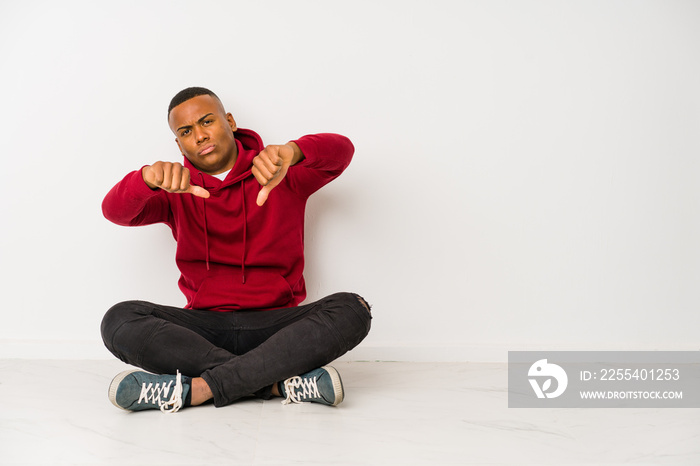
[262, 289]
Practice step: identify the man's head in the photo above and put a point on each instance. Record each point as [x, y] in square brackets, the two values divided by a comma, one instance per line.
[186, 94]
[203, 130]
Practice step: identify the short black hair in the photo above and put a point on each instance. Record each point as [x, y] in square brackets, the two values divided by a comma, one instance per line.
[187, 94]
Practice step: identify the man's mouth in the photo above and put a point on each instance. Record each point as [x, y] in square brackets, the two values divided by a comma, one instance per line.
[207, 149]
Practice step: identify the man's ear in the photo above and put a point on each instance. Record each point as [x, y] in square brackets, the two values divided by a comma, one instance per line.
[231, 122]
[177, 141]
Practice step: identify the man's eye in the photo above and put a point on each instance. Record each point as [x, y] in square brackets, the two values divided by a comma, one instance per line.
[185, 132]
[206, 122]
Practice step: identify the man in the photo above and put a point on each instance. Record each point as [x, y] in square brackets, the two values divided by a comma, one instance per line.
[236, 210]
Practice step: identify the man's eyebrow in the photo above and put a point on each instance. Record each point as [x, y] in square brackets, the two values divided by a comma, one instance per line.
[198, 121]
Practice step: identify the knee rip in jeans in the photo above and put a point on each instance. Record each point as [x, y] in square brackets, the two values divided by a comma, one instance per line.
[365, 304]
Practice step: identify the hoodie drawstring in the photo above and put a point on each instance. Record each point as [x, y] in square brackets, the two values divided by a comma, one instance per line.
[245, 232]
[245, 227]
[206, 232]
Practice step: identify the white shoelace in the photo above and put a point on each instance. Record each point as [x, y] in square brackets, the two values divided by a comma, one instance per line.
[308, 386]
[155, 393]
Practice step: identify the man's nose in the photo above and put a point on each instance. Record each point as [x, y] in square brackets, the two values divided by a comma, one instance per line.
[200, 135]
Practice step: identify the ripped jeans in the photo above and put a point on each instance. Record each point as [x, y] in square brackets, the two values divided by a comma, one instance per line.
[238, 353]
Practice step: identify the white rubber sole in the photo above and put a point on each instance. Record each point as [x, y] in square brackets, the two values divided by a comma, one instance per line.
[337, 384]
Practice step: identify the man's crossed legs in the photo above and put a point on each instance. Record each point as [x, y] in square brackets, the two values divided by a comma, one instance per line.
[196, 355]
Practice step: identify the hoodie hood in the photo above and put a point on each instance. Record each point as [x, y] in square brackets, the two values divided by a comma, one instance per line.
[249, 145]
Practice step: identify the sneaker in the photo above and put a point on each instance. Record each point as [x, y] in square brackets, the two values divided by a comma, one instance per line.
[318, 386]
[137, 390]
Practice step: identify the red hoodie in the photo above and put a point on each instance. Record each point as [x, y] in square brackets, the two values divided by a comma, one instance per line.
[232, 253]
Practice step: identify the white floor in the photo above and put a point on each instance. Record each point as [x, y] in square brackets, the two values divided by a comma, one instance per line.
[57, 413]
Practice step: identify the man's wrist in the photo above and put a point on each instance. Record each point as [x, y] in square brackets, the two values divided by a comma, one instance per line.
[298, 154]
[143, 176]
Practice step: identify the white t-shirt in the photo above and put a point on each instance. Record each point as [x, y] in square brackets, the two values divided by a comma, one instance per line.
[222, 176]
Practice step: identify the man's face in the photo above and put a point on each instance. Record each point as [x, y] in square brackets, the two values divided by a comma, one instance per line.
[204, 134]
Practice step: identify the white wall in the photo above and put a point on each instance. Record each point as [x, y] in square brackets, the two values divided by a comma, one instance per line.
[525, 177]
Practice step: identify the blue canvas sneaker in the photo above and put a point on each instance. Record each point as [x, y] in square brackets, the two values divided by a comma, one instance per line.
[321, 385]
[135, 390]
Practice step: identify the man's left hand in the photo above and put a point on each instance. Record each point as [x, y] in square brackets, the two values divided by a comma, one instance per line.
[270, 167]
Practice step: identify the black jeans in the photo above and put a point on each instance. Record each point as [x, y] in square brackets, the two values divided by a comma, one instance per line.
[237, 353]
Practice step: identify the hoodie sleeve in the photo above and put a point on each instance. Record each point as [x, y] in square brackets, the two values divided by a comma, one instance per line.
[131, 203]
[326, 156]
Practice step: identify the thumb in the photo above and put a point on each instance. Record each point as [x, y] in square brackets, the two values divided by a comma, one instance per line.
[265, 190]
[198, 191]
[262, 195]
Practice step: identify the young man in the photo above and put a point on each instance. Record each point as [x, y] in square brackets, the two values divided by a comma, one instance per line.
[236, 210]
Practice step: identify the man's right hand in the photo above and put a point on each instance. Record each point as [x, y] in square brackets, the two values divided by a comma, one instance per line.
[171, 177]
